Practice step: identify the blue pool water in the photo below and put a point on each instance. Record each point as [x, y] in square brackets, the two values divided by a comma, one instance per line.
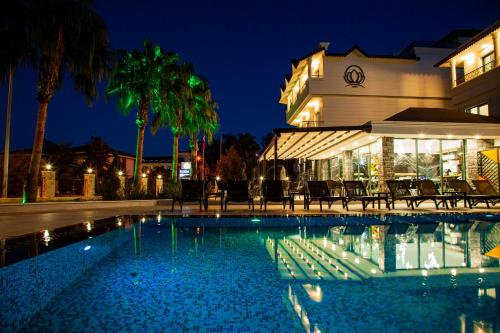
[283, 274]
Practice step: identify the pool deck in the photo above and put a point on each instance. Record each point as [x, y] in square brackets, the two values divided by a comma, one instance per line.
[16, 220]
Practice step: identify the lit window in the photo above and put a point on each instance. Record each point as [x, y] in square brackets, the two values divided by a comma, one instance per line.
[481, 110]
[488, 62]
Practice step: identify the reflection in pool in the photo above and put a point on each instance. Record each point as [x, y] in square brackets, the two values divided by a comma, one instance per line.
[279, 274]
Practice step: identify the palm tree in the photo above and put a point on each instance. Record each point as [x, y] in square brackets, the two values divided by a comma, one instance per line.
[66, 36]
[202, 117]
[136, 83]
[14, 52]
[176, 93]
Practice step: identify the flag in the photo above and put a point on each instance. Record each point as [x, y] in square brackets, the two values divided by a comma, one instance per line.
[203, 144]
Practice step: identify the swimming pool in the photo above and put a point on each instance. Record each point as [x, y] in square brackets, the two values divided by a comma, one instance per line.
[425, 273]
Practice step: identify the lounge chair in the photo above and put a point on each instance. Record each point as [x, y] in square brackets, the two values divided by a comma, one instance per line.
[400, 190]
[191, 191]
[484, 187]
[428, 190]
[273, 191]
[473, 197]
[214, 189]
[237, 191]
[319, 191]
[355, 191]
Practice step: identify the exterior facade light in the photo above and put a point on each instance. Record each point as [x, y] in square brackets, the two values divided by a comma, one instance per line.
[120, 173]
[144, 175]
[198, 158]
[159, 176]
[89, 170]
[261, 178]
[48, 167]
[217, 178]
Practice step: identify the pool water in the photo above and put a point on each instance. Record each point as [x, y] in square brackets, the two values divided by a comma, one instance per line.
[360, 274]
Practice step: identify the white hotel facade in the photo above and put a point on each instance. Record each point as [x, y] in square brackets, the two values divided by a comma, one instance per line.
[425, 113]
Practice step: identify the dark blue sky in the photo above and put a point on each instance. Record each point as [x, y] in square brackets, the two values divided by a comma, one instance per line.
[244, 49]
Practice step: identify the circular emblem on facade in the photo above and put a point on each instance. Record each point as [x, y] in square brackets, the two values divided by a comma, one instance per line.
[354, 76]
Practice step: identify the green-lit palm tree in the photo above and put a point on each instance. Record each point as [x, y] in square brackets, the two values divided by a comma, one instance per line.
[202, 117]
[15, 52]
[175, 110]
[66, 36]
[136, 81]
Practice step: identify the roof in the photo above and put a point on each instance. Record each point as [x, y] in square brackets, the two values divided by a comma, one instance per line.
[383, 56]
[437, 115]
[473, 40]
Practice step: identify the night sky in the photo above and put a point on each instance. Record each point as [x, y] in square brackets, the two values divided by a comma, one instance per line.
[243, 48]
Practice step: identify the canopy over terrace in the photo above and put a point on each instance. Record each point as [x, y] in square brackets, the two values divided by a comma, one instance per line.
[317, 143]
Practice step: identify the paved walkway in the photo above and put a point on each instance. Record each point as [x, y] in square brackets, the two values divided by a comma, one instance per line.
[20, 223]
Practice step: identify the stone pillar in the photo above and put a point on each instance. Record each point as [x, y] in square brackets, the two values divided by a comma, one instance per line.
[473, 146]
[88, 185]
[48, 186]
[453, 73]
[144, 183]
[159, 185]
[387, 250]
[121, 189]
[385, 163]
[347, 168]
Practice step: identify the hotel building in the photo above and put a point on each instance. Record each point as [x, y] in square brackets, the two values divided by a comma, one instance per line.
[356, 115]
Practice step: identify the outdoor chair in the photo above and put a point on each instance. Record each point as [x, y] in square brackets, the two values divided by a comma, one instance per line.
[400, 190]
[274, 191]
[318, 191]
[237, 191]
[191, 191]
[214, 189]
[428, 190]
[473, 196]
[335, 187]
[356, 191]
[485, 187]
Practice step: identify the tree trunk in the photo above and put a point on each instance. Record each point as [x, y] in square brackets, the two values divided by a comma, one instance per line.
[31, 185]
[194, 156]
[175, 157]
[142, 121]
[48, 79]
[6, 150]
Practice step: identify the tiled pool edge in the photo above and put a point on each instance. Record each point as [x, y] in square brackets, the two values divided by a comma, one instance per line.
[31, 287]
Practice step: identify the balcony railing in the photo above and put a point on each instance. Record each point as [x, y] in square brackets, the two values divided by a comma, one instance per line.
[312, 123]
[476, 72]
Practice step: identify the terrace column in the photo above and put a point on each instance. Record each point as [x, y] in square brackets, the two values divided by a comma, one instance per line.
[473, 147]
[347, 166]
[496, 47]
[453, 73]
[48, 186]
[88, 185]
[387, 251]
[159, 185]
[385, 162]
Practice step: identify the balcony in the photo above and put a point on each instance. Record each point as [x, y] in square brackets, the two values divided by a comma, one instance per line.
[301, 96]
[476, 72]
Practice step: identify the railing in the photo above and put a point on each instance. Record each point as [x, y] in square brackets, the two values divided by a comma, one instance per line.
[488, 168]
[312, 123]
[476, 72]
